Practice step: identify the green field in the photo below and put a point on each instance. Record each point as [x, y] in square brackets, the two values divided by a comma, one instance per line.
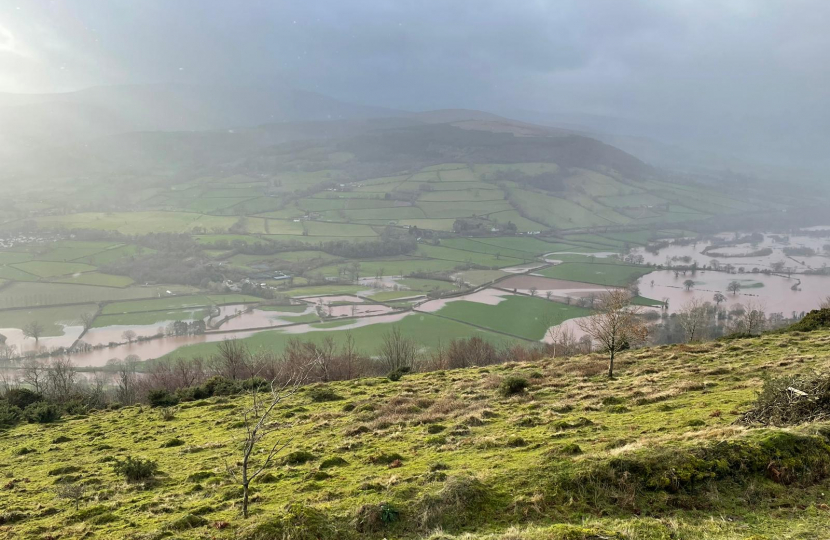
[67, 251]
[611, 275]
[386, 296]
[428, 330]
[396, 267]
[149, 317]
[176, 303]
[496, 260]
[426, 285]
[474, 245]
[14, 274]
[52, 318]
[556, 212]
[138, 222]
[321, 290]
[47, 269]
[521, 316]
[95, 278]
[45, 294]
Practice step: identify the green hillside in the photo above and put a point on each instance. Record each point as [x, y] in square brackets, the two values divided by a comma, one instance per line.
[656, 453]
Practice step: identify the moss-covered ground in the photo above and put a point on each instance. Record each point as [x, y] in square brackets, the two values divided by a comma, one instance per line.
[653, 454]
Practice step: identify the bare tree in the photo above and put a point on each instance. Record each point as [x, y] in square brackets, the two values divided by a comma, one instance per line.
[128, 336]
[616, 325]
[87, 319]
[533, 291]
[752, 319]
[34, 330]
[127, 380]
[553, 330]
[256, 418]
[7, 352]
[348, 356]
[34, 375]
[233, 358]
[692, 318]
[718, 298]
[688, 284]
[733, 287]
[61, 377]
[397, 351]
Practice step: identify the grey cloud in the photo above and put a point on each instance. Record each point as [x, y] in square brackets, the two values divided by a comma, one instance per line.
[709, 67]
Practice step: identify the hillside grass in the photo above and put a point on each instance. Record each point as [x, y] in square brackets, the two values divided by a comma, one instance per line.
[653, 454]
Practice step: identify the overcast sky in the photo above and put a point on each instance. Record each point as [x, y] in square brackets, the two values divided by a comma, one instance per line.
[706, 63]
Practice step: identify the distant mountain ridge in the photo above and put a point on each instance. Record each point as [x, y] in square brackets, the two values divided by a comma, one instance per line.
[169, 127]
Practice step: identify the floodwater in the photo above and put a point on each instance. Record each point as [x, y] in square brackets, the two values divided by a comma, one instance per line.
[694, 251]
[551, 257]
[560, 289]
[571, 325]
[491, 297]
[153, 348]
[364, 321]
[356, 310]
[256, 318]
[326, 300]
[14, 337]
[522, 268]
[773, 291]
[114, 334]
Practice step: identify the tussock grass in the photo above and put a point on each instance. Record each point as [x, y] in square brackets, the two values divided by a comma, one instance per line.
[444, 455]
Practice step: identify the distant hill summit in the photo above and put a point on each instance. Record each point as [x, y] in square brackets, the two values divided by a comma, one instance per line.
[153, 128]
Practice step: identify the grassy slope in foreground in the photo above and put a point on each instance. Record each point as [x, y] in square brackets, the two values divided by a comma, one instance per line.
[653, 454]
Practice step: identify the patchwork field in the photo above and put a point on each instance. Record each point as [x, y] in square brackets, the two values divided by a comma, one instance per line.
[251, 229]
[521, 316]
[612, 275]
[428, 330]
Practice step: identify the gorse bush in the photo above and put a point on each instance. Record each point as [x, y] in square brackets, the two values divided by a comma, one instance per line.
[22, 397]
[815, 320]
[320, 394]
[512, 386]
[9, 415]
[298, 457]
[397, 374]
[161, 398]
[42, 413]
[136, 469]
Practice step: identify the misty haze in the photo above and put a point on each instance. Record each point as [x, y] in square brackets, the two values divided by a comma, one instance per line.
[440, 270]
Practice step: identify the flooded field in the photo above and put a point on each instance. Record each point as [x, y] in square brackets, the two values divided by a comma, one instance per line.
[552, 257]
[15, 338]
[774, 292]
[741, 254]
[560, 289]
[485, 296]
[153, 348]
[522, 268]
